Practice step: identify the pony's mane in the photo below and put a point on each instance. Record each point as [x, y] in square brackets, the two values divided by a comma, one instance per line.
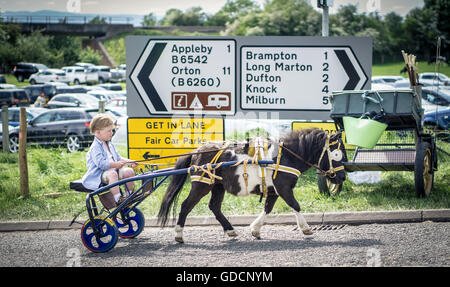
[306, 142]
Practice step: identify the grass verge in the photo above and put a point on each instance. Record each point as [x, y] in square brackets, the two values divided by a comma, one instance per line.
[51, 170]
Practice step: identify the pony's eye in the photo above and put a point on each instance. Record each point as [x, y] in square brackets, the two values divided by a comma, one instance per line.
[336, 155]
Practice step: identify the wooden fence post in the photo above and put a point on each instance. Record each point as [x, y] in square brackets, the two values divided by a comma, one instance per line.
[5, 130]
[23, 165]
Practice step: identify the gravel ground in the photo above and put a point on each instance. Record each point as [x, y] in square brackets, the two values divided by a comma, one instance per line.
[413, 244]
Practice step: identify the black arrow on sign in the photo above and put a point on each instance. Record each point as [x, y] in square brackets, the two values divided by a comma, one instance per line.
[353, 77]
[146, 155]
[144, 77]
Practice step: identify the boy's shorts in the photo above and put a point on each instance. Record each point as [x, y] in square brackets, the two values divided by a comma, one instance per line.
[119, 171]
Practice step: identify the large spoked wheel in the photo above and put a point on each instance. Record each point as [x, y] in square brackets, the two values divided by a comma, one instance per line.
[423, 170]
[73, 143]
[327, 187]
[108, 235]
[133, 223]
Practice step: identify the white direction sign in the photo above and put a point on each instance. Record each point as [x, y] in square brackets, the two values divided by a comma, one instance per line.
[187, 75]
[297, 77]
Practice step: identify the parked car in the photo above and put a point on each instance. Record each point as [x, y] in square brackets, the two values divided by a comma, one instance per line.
[388, 80]
[23, 71]
[14, 115]
[34, 91]
[92, 75]
[111, 87]
[106, 94]
[437, 78]
[73, 100]
[2, 79]
[71, 90]
[381, 87]
[118, 104]
[104, 73]
[435, 96]
[116, 76]
[439, 118]
[14, 97]
[76, 75]
[404, 84]
[7, 86]
[68, 127]
[49, 75]
[122, 69]
[84, 65]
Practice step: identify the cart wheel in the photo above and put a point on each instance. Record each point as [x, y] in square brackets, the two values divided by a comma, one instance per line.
[108, 235]
[135, 223]
[327, 187]
[423, 170]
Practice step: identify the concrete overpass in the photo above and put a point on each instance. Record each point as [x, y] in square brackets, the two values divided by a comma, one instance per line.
[94, 27]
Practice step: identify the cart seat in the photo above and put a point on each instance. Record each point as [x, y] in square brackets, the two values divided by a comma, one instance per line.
[77, 185]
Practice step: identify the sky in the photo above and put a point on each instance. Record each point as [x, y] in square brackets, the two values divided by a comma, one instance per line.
[159, 7]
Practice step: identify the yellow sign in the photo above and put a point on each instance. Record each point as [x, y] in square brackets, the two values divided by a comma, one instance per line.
[150, 138]
[328, 127]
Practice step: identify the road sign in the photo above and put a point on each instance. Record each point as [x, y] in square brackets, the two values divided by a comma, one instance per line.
[290, 76]
[187, 76]
[150, 138]
[297, 77]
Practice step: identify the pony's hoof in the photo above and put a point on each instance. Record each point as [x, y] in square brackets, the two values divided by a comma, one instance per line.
[179, 239]
[256, 234]
[231, 233]
[307, 232]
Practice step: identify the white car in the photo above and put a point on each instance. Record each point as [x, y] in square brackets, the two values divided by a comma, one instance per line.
[404, 84]
[84, 65]
[49, 75]
[437, 78]
[103, 72]
[381, 87]
[106, 94]
[76, 75]
[118, 105]
[388, 80]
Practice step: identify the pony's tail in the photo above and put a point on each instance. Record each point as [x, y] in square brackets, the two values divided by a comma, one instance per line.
[172, 192]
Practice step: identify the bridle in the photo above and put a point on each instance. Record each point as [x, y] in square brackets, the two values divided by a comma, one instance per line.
[335, 155]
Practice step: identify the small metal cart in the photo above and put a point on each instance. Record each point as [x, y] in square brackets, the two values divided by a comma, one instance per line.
[403, 146]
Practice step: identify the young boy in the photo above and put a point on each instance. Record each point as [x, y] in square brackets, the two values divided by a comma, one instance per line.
[105, 165]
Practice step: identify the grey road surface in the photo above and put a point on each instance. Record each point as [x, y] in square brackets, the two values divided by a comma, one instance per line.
[409, 244]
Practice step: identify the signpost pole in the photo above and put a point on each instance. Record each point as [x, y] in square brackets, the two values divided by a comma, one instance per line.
[325, 22]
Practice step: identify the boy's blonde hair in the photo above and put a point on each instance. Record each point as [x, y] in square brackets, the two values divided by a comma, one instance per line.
[100, 121]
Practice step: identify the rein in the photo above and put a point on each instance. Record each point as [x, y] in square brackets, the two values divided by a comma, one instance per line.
[176, 155]
[326, 148]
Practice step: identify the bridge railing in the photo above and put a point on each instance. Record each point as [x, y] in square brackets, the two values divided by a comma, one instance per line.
[26, 19]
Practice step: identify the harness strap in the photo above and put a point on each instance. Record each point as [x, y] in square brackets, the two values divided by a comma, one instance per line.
[213, 161]
[278, 160]
[210, 171]
[286, 169]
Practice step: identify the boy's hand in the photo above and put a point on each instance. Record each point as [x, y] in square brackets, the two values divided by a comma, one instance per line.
[129, 163]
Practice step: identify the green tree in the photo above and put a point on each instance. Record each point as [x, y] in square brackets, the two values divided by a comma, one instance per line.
[89, 55]
[149, 20]
[173, 17]
[231, 11]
